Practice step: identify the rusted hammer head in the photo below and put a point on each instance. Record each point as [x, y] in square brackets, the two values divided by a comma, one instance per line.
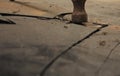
[79, 14]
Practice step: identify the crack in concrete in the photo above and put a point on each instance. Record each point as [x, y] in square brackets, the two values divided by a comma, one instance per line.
[6, 21]
[106, 59]
[69, 48]
[21, 15]
[61, 15]
[57, 17]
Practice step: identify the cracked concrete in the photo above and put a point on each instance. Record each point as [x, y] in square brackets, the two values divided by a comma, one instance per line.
[29, 45]
[24, 44]
[25, 38]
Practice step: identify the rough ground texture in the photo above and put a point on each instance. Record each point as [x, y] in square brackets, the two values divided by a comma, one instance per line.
[27, 46]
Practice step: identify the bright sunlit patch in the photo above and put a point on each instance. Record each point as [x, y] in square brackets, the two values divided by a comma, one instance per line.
[114, 27]
[109, 0]
[10, 7]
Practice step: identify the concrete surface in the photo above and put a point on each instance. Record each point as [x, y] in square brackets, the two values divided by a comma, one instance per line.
[29, 45]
